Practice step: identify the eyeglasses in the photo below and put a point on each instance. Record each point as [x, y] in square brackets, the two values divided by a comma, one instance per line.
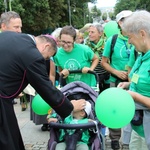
[68, 43]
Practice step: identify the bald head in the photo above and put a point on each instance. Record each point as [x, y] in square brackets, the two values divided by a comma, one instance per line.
[46, 45]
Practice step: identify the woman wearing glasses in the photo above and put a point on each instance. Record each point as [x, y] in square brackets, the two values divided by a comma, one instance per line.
[73, 56]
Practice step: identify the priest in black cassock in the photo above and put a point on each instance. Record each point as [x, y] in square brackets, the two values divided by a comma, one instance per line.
[22, 61]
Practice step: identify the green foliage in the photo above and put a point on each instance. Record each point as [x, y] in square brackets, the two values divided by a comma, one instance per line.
[57, 8]
[42, 16]
[124, 5]
[2, 7]
[36, 15]
[104, 16]
[131, 5]
[142, 4]
[111, 15]
[17, 6]
[96, 12]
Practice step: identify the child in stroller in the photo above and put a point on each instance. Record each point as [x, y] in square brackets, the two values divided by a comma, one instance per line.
[73, 136]
[75, 91]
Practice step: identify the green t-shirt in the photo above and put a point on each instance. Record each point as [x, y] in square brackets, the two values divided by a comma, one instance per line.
[142, 69]
[70, 120]
[141, 83]
[81, 56]
[133, 57]
[120, 55]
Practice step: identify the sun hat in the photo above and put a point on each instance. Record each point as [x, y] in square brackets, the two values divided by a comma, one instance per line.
[123, 14]
[85, 28]
[87, 108]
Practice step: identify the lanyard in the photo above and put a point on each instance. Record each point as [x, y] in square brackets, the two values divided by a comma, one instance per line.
[127, 49]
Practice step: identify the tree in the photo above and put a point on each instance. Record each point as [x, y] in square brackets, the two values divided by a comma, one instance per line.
[112, 15]
[131, 5]
[2, 7]
[124, 5]
[104, 16]
[36, 16]
[57, 8]
[79, 13]
[42, 16]
[96, 13]
[142, 4]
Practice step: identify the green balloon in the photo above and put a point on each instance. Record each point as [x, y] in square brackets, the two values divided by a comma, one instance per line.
[115, 108]
[111, 28]
[39, 106]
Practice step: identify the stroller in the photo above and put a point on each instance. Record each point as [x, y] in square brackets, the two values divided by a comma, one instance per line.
[79, 90]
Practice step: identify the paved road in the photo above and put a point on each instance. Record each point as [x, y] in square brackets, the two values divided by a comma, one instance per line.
[33, 137]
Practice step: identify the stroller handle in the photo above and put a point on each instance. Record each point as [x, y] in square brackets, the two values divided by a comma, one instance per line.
[73, 126]
[79, 71]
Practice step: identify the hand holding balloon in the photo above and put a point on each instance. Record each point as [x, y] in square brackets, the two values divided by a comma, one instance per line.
[124, 85]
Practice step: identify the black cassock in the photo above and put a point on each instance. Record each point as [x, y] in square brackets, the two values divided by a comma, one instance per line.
[21, 63]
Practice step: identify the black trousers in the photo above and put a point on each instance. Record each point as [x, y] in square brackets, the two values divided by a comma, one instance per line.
[103, 83]
[114, 134]
[10, 137]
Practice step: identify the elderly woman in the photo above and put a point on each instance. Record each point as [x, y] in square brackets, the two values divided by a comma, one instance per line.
[115, 59]
[55, 34]
[73, 56]
[137, 28]
[96, 41]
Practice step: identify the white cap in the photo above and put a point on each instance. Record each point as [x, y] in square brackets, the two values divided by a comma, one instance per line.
[88, 108]
[123, 14]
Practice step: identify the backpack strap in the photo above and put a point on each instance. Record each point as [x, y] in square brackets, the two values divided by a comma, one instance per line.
[113, 42]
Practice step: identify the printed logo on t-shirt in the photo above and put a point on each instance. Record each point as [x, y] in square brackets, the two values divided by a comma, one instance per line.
[73, 64]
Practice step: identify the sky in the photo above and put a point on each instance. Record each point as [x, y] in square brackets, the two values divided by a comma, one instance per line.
[104, 3]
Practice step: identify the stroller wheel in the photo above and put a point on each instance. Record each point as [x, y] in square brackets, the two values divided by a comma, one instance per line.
[44, 127]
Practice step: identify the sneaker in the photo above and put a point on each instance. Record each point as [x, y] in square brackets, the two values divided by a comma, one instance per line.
[115, 145]
[45, 127]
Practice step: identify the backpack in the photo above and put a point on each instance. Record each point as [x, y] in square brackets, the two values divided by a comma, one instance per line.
[113, 42]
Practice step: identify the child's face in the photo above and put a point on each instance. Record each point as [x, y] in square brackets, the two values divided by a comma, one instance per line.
[79, 39]
[79, 114]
